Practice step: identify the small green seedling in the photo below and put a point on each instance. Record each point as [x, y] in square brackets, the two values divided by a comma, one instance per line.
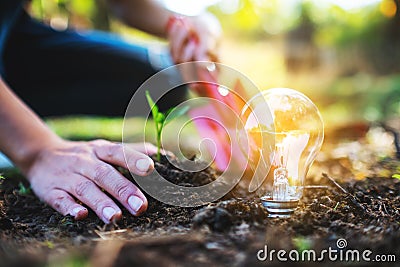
[302, 243]
[396, 175]
[23, 190]
[49, 244]
[2, 177]
[337, 205]
[162, 119]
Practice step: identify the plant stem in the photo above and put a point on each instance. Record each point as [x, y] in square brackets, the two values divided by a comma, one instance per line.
[158, 145]
[158, 138]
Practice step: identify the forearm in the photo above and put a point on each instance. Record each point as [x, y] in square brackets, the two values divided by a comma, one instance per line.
[22, 133]
[146, 15]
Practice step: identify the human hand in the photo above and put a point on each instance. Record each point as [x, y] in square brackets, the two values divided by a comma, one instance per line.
[194, 38]
[66, 172]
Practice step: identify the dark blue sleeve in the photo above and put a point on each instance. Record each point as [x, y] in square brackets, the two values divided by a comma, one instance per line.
[9, 11]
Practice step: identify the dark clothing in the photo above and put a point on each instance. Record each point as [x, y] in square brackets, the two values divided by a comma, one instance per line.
[71, 72]
[9, 12]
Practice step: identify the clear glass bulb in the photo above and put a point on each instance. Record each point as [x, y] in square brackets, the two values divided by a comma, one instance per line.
[280, 132]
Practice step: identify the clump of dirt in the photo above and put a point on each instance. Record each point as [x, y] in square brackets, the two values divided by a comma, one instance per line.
[177, 172]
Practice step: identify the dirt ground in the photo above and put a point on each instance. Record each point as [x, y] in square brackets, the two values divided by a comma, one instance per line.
[229, 232]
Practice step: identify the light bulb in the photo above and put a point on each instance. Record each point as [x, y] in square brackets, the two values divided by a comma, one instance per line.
[280, 133]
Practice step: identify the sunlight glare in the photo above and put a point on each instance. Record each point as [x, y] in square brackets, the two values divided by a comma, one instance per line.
[351, 4]
[188, 7]
[193, 7]
[388, 8]
[223, 91]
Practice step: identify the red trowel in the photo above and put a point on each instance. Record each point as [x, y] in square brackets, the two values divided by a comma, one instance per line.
[221, 125]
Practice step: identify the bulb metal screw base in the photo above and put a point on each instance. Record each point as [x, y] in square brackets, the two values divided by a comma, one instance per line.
[279, 208]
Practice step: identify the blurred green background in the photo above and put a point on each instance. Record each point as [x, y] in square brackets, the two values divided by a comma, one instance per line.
[345, 55]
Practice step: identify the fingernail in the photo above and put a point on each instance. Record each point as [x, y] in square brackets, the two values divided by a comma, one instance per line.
[109, 213]
[76, 211]
[135, 203]
[143, 165]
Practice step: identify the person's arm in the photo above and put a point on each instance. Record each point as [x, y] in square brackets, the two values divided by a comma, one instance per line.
[22, 133]
[146, 15]
[190, 38]
[62, 172]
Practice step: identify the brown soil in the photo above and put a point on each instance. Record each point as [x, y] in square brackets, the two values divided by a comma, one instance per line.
[228, 232]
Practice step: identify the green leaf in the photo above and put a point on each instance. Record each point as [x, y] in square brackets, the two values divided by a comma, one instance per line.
[302, 243]
[49, 244]
[153, 106]
[174, 113]
[396, 175]
[23, 190]
[2, 177]
[160, 118]
[169, 111]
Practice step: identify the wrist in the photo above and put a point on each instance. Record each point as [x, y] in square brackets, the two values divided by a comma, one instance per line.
[27, 154]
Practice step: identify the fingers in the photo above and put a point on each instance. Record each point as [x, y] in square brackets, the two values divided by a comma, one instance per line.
[148, 149]
[124, 156]
[188, 51]
[201, 53]
[183, 41]
[112, 181]
[193, 38]
[178, 37]
[91, 195]
[145, 148]
[62, 202]
[108, 178]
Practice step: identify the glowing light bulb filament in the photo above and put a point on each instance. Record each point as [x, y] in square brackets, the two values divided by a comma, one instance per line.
[281, 184]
